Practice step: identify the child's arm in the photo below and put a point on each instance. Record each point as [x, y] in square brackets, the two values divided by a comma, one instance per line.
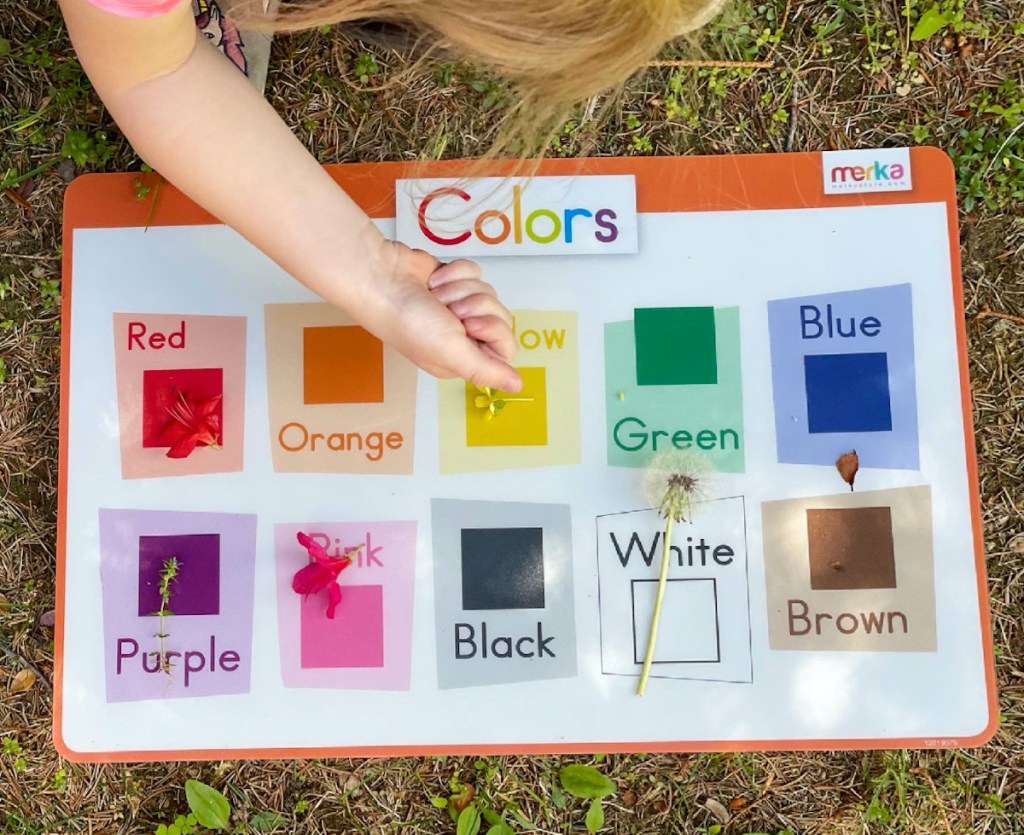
[196, 119]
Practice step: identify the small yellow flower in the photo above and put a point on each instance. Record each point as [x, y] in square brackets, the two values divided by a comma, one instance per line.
[490, 401]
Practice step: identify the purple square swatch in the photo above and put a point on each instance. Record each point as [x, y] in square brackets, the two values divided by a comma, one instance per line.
[196, 589]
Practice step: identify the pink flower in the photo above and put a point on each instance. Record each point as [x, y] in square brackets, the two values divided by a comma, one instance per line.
[320, 574]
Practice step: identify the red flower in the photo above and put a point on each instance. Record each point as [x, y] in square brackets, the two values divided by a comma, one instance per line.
[320, 574]
[195, 421]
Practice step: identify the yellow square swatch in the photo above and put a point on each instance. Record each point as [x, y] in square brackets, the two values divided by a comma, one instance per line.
[519, 423]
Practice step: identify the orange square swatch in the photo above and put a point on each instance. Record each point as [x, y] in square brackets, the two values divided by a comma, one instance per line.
[342, 364]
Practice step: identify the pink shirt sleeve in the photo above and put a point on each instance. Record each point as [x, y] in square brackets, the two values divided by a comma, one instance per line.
[137, 8]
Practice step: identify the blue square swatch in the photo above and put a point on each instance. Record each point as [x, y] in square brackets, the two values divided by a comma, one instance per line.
[847, 393]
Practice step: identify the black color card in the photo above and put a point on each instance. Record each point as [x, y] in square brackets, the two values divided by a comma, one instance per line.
[502, 568]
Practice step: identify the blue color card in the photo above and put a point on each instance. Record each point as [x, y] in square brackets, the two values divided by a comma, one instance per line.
[847, 393]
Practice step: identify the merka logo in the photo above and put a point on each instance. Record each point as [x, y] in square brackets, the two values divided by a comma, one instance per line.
[877, 171]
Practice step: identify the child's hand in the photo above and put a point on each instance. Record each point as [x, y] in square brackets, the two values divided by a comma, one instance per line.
[442, 317]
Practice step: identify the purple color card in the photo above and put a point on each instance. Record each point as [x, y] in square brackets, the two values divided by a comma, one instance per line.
[210, 651]
[857, 390]
[353, 638]
[368, 643]
[195, 590]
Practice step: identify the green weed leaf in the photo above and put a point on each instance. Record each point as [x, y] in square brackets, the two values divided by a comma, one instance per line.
[469, 821]
[439, 802]
[931, 22]
[557, 796]
[595, 815]
[267, 821]
[585, 781]
[492, 817]
[210, 807]
[500, 829]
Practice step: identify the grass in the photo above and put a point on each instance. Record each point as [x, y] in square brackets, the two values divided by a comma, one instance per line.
[842, 73]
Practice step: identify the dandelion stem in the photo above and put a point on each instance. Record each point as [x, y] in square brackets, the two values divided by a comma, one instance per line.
[652, 638]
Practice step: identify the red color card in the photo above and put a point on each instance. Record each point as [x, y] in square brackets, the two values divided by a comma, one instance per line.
[180, 393]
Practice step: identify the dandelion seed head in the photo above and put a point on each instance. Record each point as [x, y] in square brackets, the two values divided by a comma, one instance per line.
[678, 481]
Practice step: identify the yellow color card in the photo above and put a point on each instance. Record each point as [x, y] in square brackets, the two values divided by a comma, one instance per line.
[537, 427]
[521, 420]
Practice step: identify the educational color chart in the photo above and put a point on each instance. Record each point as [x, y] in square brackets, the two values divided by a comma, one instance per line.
[477, 569]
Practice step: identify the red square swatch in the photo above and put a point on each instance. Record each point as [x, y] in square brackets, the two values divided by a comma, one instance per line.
[162, 387]
[354, 638]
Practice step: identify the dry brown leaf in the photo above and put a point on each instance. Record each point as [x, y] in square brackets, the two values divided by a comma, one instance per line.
[738, 802]
[15, 197]
[23, 681]
[848, 463]
[463, 800]
[718, 810]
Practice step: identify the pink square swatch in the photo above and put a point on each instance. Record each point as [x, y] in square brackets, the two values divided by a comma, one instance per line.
[354, 638]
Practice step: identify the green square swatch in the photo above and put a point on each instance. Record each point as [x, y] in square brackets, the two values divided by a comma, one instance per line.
[675, 346]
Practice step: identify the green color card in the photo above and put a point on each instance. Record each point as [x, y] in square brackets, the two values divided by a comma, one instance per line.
[644, 418]
[675, 346]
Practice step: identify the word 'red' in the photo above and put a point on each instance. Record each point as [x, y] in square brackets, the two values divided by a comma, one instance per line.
[141, 338]
[542, 226]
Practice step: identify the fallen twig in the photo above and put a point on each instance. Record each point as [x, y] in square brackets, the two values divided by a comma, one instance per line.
[17, 656]
[935, 793]
[988, 313]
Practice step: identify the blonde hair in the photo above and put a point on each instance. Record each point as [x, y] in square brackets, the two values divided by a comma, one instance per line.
[554, 53]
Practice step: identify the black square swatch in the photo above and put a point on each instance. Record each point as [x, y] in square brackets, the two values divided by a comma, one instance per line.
[502, 568]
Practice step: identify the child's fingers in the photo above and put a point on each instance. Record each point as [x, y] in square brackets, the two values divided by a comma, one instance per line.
[481, 304]
[492, 332]
[478, 365]
[447, 294]
[453, 271]
[421, 264]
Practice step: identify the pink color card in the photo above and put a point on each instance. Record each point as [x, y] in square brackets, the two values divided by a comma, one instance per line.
[179, 377]
[367, 645]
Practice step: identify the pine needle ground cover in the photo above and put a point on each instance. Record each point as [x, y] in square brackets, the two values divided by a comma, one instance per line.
[778, 76]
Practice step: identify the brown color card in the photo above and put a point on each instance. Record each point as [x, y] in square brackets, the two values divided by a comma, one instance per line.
[853, 571]
[851, 548]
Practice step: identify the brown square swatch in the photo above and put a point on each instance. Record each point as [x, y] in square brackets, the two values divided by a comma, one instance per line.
[851, 548]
